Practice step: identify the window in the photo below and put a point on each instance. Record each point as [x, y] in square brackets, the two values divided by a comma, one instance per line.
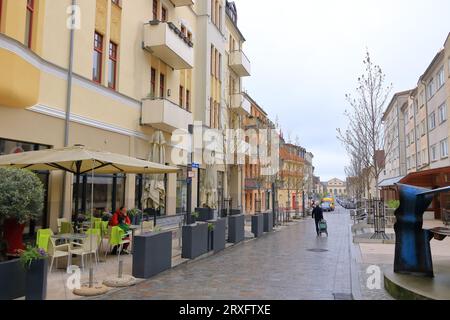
[433, 153]
[188, 100]
[153, 83]
[183, 29]
[164, 14]
[442, 113]
[116, 2]
[98, 56]
[1, 12]
[219, 67]
[212, 61]
[211, 112]
[432, 121]
[430, 89]
[444, 148]
[421, 98]
[155, 9]
[189, 35]
[213, 11]
[29, 23]
[181, 96]
[162, 85]
[422, 128]
[424, 156]
[419, 158]
[440, 78]
[112, 65]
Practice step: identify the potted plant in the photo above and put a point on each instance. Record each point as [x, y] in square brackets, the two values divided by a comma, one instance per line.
[135, 216]
[194, 216]
[21, 200]
[35, 263]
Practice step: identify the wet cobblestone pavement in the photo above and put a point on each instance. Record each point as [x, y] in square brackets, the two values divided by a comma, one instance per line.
[277, 266]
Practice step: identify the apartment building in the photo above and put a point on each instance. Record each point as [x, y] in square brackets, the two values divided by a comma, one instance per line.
[258, 185]
[293, 176]
[423, 122]
[139, 74]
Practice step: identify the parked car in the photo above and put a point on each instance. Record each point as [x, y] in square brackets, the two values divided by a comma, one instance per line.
[326, 206]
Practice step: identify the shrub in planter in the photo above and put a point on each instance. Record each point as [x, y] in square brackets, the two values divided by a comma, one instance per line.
[35, 262]
[135, 216]
[21, 200]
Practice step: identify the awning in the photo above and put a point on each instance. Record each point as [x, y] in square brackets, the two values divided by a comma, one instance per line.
[390, 182]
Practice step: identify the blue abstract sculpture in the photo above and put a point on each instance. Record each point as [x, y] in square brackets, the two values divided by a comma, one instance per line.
[412, 245]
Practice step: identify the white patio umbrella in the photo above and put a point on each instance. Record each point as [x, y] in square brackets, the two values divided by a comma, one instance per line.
[154, 189]
[211, 186]
[81, 160]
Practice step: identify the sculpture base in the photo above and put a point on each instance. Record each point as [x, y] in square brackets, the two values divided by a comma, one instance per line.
[411, 287]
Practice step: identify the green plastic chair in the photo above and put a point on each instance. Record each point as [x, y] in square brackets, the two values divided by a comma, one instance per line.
[43, 237]
[116, 238]
[66, 227]
[96, 232]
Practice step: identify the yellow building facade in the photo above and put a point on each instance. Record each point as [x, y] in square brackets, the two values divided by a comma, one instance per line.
[141, 69]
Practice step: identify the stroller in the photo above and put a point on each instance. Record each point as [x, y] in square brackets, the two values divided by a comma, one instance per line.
[323, 227]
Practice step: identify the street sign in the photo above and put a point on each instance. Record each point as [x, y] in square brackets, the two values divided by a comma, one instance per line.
[195, 165]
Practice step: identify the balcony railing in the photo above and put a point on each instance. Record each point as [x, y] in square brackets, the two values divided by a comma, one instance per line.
[239, 63]
[240, 104]
[165, 41]
[165, 115]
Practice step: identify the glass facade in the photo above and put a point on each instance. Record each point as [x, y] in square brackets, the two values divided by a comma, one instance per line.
[12, 146]
[182, 191]
[109, 193]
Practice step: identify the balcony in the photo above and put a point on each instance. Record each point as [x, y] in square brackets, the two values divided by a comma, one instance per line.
[239, 63]
[240, 104]
[182, 3]
[166, 42]
[165, 115]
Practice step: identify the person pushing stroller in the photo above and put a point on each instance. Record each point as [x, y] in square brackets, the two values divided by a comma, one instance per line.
[317, 215]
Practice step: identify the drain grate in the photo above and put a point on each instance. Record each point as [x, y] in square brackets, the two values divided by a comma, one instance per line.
[318, 250]
[343, 296]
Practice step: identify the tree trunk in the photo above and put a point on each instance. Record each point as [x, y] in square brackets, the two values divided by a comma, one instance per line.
[13, 234]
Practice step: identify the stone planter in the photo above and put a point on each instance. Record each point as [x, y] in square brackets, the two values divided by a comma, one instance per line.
[12, 280]
[152, 254]
[268, 221]
[195, 240]
[258, 225]
[205, 214]
[217, 239]
[236, 231]
[36, 280]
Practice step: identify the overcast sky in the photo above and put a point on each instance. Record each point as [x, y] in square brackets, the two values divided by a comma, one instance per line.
[306, 55]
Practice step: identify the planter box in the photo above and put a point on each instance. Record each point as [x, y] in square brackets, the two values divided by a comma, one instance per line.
[36, 280]
[235, 212]
[195, 240]
[217, 235]
[152, 254]
[258, 225]
[12, 280]
[205, 214]
[268, 222]
[236, 231]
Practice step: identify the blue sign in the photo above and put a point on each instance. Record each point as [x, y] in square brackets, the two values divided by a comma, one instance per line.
[195, 165]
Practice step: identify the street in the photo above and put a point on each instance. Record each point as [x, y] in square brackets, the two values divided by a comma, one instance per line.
[292, 263]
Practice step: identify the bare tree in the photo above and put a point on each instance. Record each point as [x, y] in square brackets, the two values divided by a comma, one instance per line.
[364, 137]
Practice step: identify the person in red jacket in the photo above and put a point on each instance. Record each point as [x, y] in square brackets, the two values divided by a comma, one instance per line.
[121, 219]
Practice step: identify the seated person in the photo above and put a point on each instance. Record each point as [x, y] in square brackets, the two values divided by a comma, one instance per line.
[121, 219]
